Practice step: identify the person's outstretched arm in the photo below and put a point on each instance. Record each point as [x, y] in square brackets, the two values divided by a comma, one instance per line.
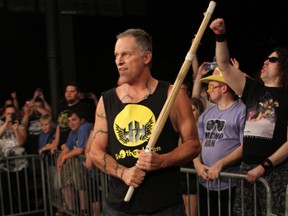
[233, 75]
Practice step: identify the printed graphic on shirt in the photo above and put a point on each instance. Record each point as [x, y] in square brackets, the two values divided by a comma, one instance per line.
[133, 125]
[261, 120]
[34, 128]
[133, 153]
[213, 131]
[75, 143]
[63, 120]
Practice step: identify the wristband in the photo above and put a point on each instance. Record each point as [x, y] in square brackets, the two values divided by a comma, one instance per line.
[267, 164]
[221, 37]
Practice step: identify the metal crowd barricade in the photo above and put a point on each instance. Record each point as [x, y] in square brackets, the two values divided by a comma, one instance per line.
[22, 192]
[242, 177]
[74, 190]
[39, 188]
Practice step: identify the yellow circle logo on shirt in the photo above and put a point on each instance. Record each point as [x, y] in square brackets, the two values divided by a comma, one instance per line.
[134, 124]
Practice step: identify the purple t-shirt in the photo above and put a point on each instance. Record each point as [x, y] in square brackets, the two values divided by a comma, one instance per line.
[221, 132]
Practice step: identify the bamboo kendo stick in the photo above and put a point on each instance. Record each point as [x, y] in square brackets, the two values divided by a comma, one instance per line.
[176, 87]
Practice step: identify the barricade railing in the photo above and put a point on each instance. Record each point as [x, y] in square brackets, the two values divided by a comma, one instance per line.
[38, 189]
[22, 192]
[74, 189]
[242, 178]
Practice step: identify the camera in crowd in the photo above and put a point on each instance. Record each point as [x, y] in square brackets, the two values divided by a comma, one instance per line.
[211, 66]
[13, 118]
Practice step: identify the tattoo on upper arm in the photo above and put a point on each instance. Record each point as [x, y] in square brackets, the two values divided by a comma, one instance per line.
[101, 116]
[105, 162]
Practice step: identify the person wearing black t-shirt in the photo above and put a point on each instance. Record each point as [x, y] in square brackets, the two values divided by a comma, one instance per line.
[265, 144]
[72, 102]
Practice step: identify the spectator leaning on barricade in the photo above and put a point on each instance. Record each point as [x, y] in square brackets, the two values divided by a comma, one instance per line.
[47, 135]
[265, 145]
[125, 118]
[74, 179]
[72, 101]
[220, 130]
[12, 138]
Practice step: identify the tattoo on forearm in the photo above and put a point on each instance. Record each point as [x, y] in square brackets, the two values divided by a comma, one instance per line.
[116, 168]
[101, 116]
[98, 131]
[105, 162]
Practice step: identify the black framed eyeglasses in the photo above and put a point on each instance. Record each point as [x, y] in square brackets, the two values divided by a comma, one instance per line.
[273, 59]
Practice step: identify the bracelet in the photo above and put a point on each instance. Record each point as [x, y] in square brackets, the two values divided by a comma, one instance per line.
[221, 37]
[267, 164]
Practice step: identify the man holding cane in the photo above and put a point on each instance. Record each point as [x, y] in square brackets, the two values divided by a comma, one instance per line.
[125, 118]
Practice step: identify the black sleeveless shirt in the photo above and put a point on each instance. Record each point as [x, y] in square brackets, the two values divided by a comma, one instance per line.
[129, 129]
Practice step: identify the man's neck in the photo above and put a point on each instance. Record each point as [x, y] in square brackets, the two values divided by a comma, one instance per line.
[137, 92]
[225, 104]
[71, 103]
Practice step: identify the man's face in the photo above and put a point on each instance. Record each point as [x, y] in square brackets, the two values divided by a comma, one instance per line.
[9, 111]
[129, 60]
[270, 69]
[72, 95]
[75, 122]
[215, 90]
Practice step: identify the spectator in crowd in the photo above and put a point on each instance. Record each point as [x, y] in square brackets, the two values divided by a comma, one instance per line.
[220, 130]
[47, 134]
[72, 101]
[12, 101]
[74, 146]
[265, 145]
[125, 118]
[38, 94]
[12, 138]
[32, 111]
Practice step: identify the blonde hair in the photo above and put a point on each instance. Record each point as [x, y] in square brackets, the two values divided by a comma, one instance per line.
[46, 117]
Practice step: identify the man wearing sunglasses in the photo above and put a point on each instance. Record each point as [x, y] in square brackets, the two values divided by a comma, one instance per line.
[220, 130]
[265, 146]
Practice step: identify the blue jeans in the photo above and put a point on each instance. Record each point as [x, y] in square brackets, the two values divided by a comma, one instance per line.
[178, 210]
